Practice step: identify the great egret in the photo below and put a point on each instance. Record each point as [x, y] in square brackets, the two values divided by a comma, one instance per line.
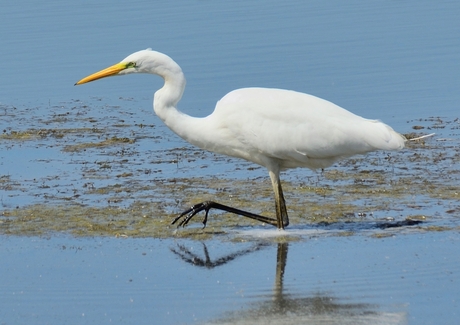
[275, 128]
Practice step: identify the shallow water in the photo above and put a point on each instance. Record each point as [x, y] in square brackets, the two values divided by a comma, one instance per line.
[408, 278]
[95, 161]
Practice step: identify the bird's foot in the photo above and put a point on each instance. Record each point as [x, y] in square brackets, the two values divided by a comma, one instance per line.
[188, 214]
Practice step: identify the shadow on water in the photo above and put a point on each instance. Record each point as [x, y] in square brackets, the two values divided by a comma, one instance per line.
[280, 306]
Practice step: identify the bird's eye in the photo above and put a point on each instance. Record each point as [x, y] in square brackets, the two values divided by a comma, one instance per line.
[131, 65]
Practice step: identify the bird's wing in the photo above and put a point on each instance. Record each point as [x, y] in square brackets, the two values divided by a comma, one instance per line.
[293, 126]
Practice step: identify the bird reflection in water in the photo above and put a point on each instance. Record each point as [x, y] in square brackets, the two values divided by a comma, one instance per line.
[281, 307]
[188, 256]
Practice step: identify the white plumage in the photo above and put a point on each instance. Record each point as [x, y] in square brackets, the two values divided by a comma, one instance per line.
[275, 128]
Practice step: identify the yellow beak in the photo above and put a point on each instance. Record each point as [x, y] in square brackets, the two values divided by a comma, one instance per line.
[110, 71]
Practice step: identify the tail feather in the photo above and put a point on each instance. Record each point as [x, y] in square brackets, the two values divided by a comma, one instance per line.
[385, 138]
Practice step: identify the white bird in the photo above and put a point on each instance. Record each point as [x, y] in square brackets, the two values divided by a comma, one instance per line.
[274, 128]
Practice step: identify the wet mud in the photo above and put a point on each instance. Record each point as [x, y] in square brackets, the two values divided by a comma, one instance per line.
[116, 170]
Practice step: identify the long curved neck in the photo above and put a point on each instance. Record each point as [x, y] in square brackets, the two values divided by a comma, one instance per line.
[166, 99]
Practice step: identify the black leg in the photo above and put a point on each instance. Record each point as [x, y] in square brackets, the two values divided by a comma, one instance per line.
[188, 214]
[280, 205]
[282, 219]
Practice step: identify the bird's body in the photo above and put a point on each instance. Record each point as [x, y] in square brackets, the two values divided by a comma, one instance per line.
[275, 128]
[290, 129]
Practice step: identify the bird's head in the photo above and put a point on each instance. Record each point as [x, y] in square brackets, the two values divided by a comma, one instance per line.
[145, 61]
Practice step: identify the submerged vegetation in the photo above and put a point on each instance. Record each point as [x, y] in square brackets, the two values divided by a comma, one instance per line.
[91, 175]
